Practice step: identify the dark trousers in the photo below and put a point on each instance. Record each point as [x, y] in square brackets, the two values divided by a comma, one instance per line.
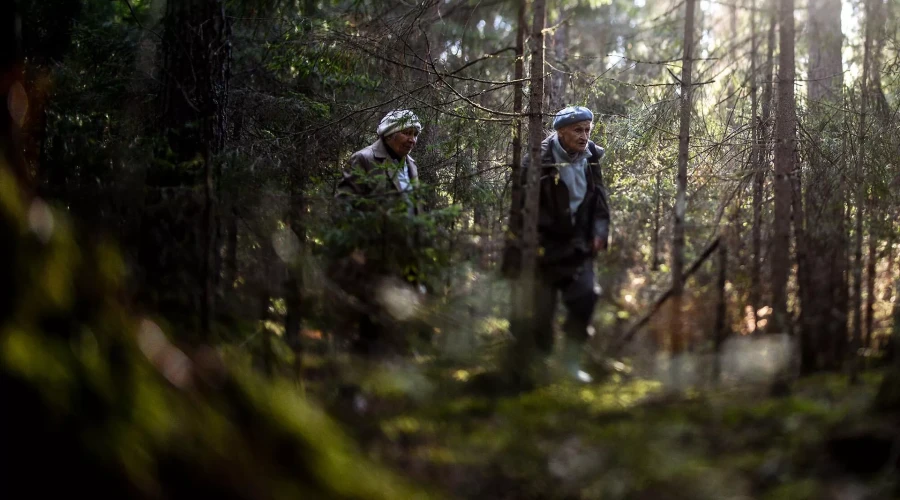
[578, 296]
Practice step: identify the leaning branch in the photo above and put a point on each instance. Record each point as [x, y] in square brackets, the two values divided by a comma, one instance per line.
[665, 296]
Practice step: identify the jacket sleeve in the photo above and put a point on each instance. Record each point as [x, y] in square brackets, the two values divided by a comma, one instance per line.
[350, 184]
[601, 207]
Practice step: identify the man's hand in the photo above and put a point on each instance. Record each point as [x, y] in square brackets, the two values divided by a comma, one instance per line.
[599, 244]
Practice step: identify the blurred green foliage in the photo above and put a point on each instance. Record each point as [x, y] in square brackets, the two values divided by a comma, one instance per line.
[100, 400]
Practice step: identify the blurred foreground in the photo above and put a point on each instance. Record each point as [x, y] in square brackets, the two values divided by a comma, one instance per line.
[100, 401]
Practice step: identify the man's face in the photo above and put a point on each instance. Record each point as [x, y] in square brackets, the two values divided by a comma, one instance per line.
[574, 137]
[402, 142]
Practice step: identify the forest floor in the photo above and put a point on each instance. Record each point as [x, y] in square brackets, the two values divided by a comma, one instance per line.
[622, 438]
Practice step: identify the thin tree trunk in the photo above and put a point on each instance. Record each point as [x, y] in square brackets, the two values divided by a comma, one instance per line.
[513, 254]
[231, 259]
[522, 315]
[719, 331]
[558, 79]
[785, 122]
[871, 261]
[856, 340]
[889, 249]
[678, 341]
[481, 212]
[807, 344]
[535, 130]
[760, 178]
[838, 339]
[656, 221]
[860, 197]
[756, 166]
[293, 321]
[880, 15]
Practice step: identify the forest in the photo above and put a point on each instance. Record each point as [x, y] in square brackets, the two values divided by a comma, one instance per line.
[269, 249]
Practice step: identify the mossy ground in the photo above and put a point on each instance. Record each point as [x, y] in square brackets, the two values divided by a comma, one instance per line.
[623, 438]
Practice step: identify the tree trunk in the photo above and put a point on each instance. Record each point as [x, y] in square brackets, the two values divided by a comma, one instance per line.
[856, 339]
[656, 221]
[513, 255]
[889, 249]
[523, 313]
[807, 344]
[880, 15]
[824, 203]
[785, 123]
[195, 55]
[719, 330]
[481, 212]
[756, 293]
[561, 56]
[293, 295]
[756, 164]
[535, 130]
[871, 261]
[860, 196]
[825, 66]
[678, 341]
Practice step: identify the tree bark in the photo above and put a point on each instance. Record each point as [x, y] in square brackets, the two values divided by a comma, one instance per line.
[823, 197]
[196, 55]
[871, 261]
[677, 335]
[560, 55]
[523, 313]
[889, 249]
[880, 14]
[785, 123]
[719, 330]
[535, 130]
[860, 196]
[807, 344]
[513, 254]
[757, 167]
[654, 265]
[756, 293]
[293, 292]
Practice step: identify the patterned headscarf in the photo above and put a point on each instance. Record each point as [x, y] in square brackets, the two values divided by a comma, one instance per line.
[398, 120]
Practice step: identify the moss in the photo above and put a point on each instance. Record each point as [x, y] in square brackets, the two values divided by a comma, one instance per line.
[888, 397]
[804, 489]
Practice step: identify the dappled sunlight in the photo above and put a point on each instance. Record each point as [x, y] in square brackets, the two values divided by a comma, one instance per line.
[288, 250]
[742, 360]
[400, 300]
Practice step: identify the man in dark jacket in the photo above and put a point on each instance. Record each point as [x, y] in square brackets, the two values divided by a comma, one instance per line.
[573, 225]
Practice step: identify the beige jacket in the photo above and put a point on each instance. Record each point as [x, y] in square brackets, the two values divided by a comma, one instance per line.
[372, 159]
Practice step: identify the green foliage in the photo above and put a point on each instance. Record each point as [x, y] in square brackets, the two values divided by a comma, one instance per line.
[128, 412]
[395, 241]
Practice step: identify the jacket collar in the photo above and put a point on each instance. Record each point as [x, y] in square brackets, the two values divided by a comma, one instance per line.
[379, 151]
[595, 153]
[380, 154]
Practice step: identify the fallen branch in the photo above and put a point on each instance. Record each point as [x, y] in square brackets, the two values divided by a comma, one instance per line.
[662, 298]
